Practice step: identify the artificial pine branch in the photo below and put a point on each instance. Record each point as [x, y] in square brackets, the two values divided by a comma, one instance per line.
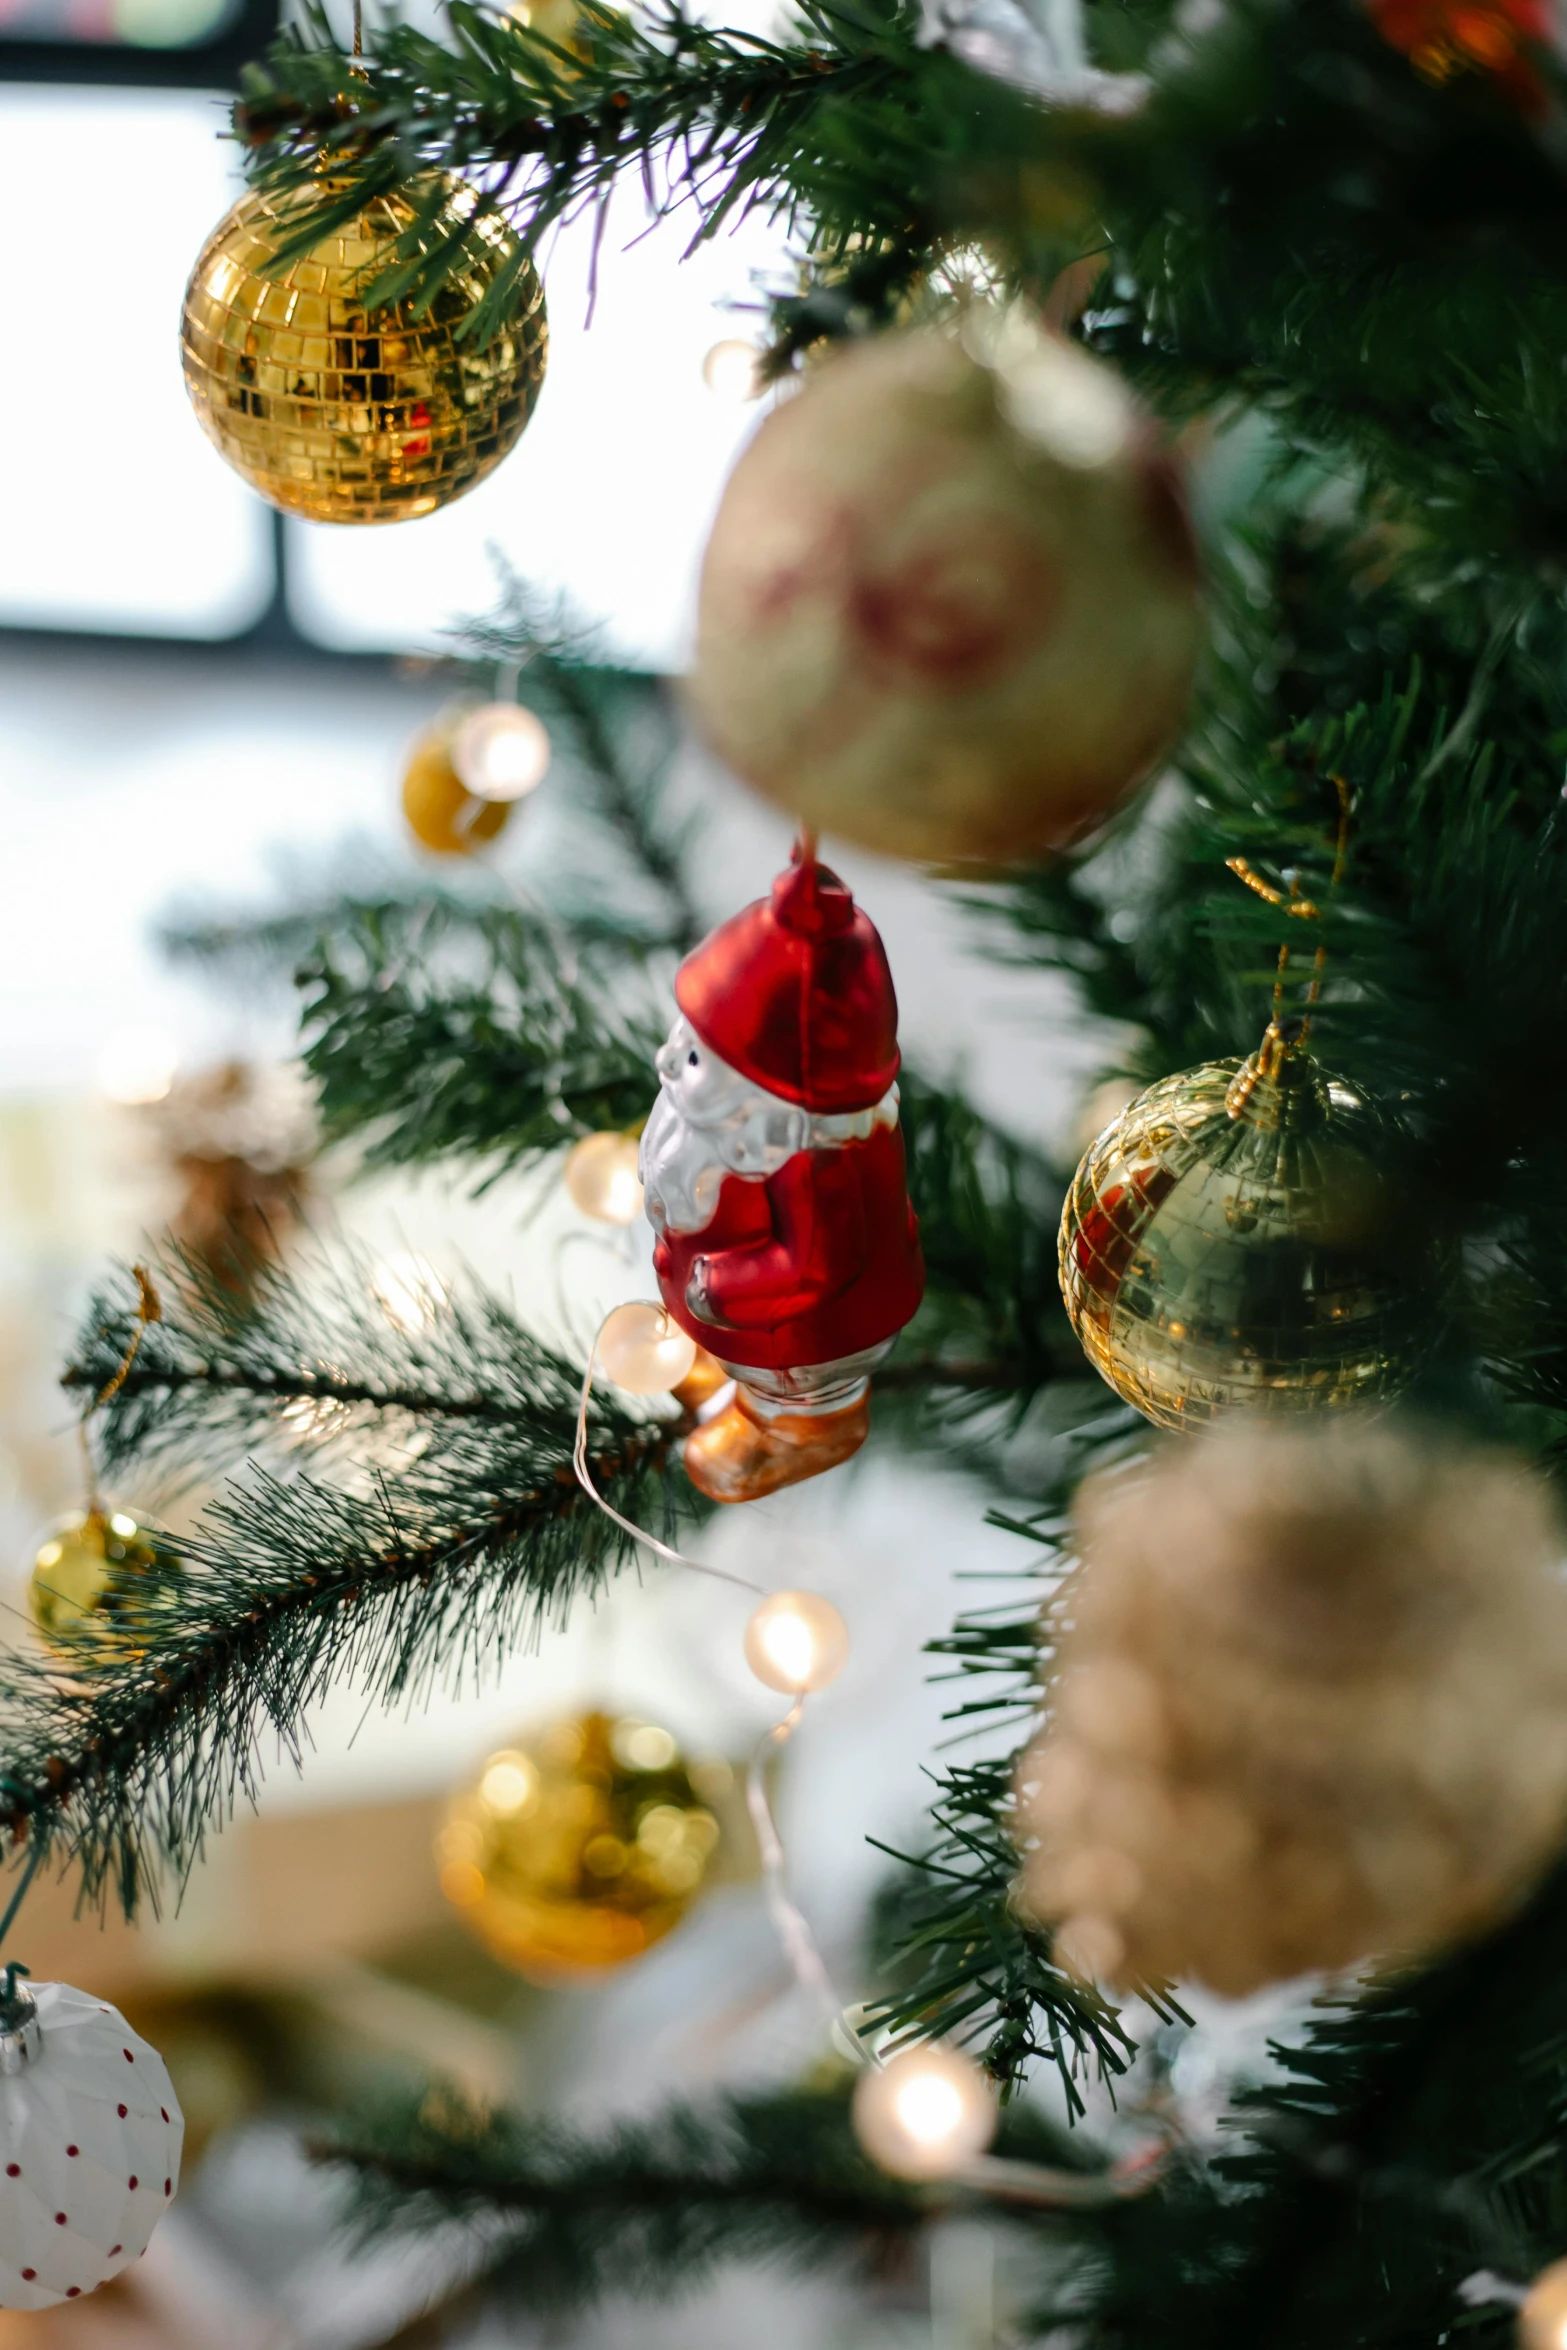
[430, 1034]
[648, 2207]
[461, 1535]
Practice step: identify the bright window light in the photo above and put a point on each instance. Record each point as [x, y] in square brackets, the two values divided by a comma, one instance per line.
[118, 515]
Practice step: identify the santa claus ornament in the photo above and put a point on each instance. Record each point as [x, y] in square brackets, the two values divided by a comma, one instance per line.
[90, 2138]
[774, 1179]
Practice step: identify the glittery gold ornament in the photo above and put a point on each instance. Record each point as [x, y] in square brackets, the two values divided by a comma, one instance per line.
[347, 414]
[98, 1585]
[443, 815]
[949, 607]
[1310, 1706]
[1232, 1239]
[578, 1848]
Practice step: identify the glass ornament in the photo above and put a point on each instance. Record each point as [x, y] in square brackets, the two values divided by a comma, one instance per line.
[500, 751]
[339, 411]
[98, 1585]
[925, 2112]
[601, 1178]
[578, 1848]
[643, 1350]
[796, 1642]
[1232, 1238]
[90, 2141]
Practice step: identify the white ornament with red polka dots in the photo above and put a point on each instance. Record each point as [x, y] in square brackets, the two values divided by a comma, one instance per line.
[90, 2138]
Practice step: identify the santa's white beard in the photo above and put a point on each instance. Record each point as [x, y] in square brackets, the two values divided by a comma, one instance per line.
[750, 1133]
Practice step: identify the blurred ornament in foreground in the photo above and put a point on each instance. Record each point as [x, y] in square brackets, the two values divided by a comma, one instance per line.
[601, 1177]
[1445, 38]
[925, 2112]
[1231, 1239]
[339, 411]
[949, 607]
[578, 1848]
[442, 814]
[500, 751]
[90, 2143]
[240, 1139]
[1310, 1708]
[99, 1585]
[1542, 2319]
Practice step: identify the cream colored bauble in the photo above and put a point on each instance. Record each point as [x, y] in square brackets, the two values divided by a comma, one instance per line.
[1310, 1706]
[949, 608]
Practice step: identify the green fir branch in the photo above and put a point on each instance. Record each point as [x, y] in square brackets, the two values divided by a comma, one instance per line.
[558, 2217]
[462, 1533]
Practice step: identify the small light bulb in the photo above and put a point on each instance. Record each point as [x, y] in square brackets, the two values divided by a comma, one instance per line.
[731, 372]
[500, 752]
[796, 1642]
[643, 1350]
[601, 1178]
[925, 2113]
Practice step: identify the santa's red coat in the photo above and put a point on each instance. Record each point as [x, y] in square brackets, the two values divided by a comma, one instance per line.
[814, 1263]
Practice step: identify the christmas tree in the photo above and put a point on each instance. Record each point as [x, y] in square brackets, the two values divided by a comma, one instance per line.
[1279, 1692]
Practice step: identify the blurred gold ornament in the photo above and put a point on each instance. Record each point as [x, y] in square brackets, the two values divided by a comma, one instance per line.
[1542, 2320]
[601, 1177]
[949, 607]
[578, 1848]
[1232, 1239]
[442, 814]
[98, 1586]
[342, 413]
[1310, 1707]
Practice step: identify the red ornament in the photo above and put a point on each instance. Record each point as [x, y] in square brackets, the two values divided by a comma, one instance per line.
[774, 1175]
[1447, 37]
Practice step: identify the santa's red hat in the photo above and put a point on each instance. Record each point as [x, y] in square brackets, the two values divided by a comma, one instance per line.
[795, 993]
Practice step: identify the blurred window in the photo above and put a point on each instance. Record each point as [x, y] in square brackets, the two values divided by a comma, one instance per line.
[124, 520]
[119, 516]
[141, 24]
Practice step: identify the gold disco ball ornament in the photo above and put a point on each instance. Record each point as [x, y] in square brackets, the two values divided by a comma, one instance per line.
[577, 1849]
[1231, 1240]
[98, 1585]
[342, 413]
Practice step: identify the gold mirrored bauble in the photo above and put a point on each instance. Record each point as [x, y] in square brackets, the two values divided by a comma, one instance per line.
[98, 1586]
[344, 414]
[1232, 1239]
[578, 1848]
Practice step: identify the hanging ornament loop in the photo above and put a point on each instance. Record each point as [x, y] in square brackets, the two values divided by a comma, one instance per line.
[149, 1309]
[1290, 900]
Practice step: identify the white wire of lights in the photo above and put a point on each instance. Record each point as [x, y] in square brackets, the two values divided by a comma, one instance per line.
[925, 2112]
